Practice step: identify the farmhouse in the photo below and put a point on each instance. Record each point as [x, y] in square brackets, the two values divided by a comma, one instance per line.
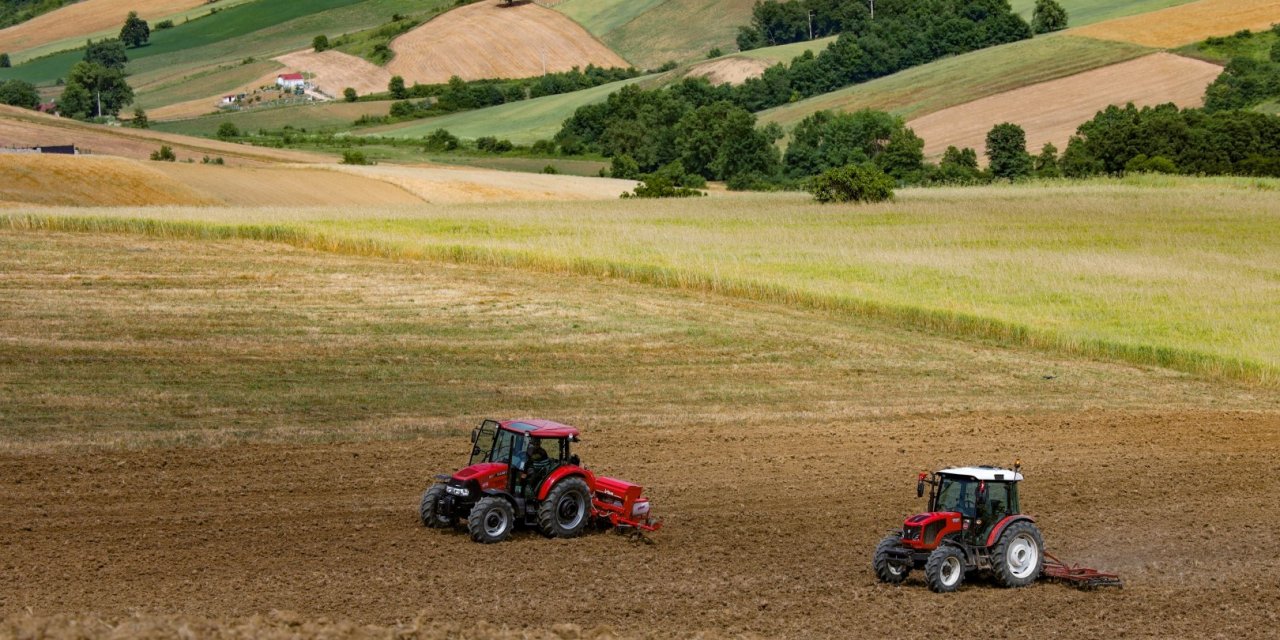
[290, 80]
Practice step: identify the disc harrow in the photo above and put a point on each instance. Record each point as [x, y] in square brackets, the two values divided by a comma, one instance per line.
[1076, 575]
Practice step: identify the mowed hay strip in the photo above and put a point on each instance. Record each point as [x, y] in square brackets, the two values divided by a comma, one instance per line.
[283, 186]
[90, 181]
[1052, 111]
[1187, 23]
[83, 18]
[335, 71]
[492, 40]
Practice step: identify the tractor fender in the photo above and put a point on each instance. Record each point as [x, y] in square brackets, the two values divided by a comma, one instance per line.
[1003, 524]
[566, 471]
[499, 492]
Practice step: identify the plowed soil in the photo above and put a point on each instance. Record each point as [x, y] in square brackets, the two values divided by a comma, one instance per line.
[773, 495]
[496, 40]
[1052, 111]
[768, 530]
[1187, 23]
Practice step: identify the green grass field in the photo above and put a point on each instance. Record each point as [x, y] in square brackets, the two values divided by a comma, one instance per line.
[1257, 46]
[649, 33]
[1174, 272]
[520, 122]
[951, 81]
[203, 84]
[1082, 12]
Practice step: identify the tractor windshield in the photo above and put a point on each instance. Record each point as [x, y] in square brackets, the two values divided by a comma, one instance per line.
[482, 446]
[957, 494]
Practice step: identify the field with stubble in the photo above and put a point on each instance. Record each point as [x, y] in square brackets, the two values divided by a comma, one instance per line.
[217, 422]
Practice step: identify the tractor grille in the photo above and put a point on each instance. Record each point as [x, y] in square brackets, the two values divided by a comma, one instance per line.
[911, 533]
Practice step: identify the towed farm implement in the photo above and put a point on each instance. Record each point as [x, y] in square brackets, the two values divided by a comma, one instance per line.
[975, 523]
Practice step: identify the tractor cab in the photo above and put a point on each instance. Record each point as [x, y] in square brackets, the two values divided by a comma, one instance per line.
[981, 495]
[517, 456]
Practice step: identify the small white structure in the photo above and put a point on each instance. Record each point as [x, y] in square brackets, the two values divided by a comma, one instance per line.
[290, 81]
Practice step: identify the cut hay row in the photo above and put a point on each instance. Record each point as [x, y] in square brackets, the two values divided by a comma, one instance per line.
[933, 318]
[1187, 23]
[1051, 112]
[495, 40]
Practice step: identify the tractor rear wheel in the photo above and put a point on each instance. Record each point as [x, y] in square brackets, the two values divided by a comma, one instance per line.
[567, 509]
[429, 510]
[944, 571]
[888, 569]
[1018, 556]
[491, 520]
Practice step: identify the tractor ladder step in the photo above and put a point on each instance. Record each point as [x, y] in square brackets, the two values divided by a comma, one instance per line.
[1076, 575]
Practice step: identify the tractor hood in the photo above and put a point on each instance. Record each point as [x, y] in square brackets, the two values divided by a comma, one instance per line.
[480, 472]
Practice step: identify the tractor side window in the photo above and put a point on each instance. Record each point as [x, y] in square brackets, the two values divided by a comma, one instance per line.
[483, 446]
[998, 499]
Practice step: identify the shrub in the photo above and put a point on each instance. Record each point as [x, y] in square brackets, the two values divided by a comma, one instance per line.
[1156, 164]
[164, 24]
[164, 154]
[218, 160]
[441, 140]
[660, 187]
[550, 170]
[543, 147]
[852, 183]
[714, 53]
[4, 61]
[140, 120]
[228, 130]
[624, 167]
[493, 145]
[320, 43]
[349, 94]
[352, 156]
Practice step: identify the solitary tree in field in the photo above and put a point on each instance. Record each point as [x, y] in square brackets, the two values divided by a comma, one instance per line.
[4, 61]
[228, 130]
[140, 120]
[397, 88]
[349, 94]
[1048, 16]
[1007, 151]
[136, 32]
[320, 43]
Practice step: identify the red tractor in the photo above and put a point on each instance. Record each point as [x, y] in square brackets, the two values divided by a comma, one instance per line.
[974, 523]
[522, 473]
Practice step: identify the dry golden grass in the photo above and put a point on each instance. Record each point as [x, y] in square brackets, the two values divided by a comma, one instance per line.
[494, 40]
[1051, 111]
[1186, 23]
[335, 71]
[731, 70]
[454, 185]
[84, 180]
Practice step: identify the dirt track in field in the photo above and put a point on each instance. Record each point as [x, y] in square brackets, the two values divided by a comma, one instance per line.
[494, 40]
[768, 531]
[1052, 111]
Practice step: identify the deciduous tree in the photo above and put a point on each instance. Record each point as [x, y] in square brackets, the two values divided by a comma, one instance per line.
[135, 32]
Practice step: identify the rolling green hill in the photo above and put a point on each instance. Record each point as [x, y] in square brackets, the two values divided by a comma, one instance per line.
[649, 33]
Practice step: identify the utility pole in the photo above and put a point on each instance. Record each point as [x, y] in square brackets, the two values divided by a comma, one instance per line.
[811, 24]
[873, 9]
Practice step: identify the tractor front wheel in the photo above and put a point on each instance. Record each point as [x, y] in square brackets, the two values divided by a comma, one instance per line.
[887, 568]
[1018, 556]
[429, 510]
[944, 570]
[567, 509]
[491, 520]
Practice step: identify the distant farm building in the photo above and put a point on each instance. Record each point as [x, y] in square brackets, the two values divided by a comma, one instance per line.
[59, 149]
[290, 81]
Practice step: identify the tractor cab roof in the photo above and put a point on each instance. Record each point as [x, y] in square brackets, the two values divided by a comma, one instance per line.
[989, 474]
[540, 428]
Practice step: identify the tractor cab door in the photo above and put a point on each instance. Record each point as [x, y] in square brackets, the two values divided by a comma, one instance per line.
[482, 442]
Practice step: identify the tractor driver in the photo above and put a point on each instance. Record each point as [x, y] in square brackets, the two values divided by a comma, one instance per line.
[540, 465]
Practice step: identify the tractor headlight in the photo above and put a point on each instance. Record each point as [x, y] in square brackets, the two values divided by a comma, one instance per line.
[461, 492]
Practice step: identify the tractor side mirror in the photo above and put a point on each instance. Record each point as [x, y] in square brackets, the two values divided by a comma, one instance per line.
[982, 492]
[920, 489]
[575, 460]
[475, 435]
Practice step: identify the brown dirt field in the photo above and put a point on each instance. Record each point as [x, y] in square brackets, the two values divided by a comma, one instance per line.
[729, 70]
[492, 40]
[21, 127]
[771, 510]
[454, 185]
[91, 181]
[1186, 23]
[89, 16]
[335, 71]
[1052, 111]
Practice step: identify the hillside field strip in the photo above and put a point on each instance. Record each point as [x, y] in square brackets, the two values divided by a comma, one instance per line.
[71, 25]
[496, 40]
[227, 438]
[1083, 12]
[335, 71]
[1132, 270]
[315, 116]
[208, 104]
[1187, 23]
[649, 33]
[1051, 112]
[954, 81]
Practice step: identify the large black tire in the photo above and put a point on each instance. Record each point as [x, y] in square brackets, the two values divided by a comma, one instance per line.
[567, 510]
[492, 519]
[429, 510]
[944, 571]
[1018, 556]
[886, 569]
